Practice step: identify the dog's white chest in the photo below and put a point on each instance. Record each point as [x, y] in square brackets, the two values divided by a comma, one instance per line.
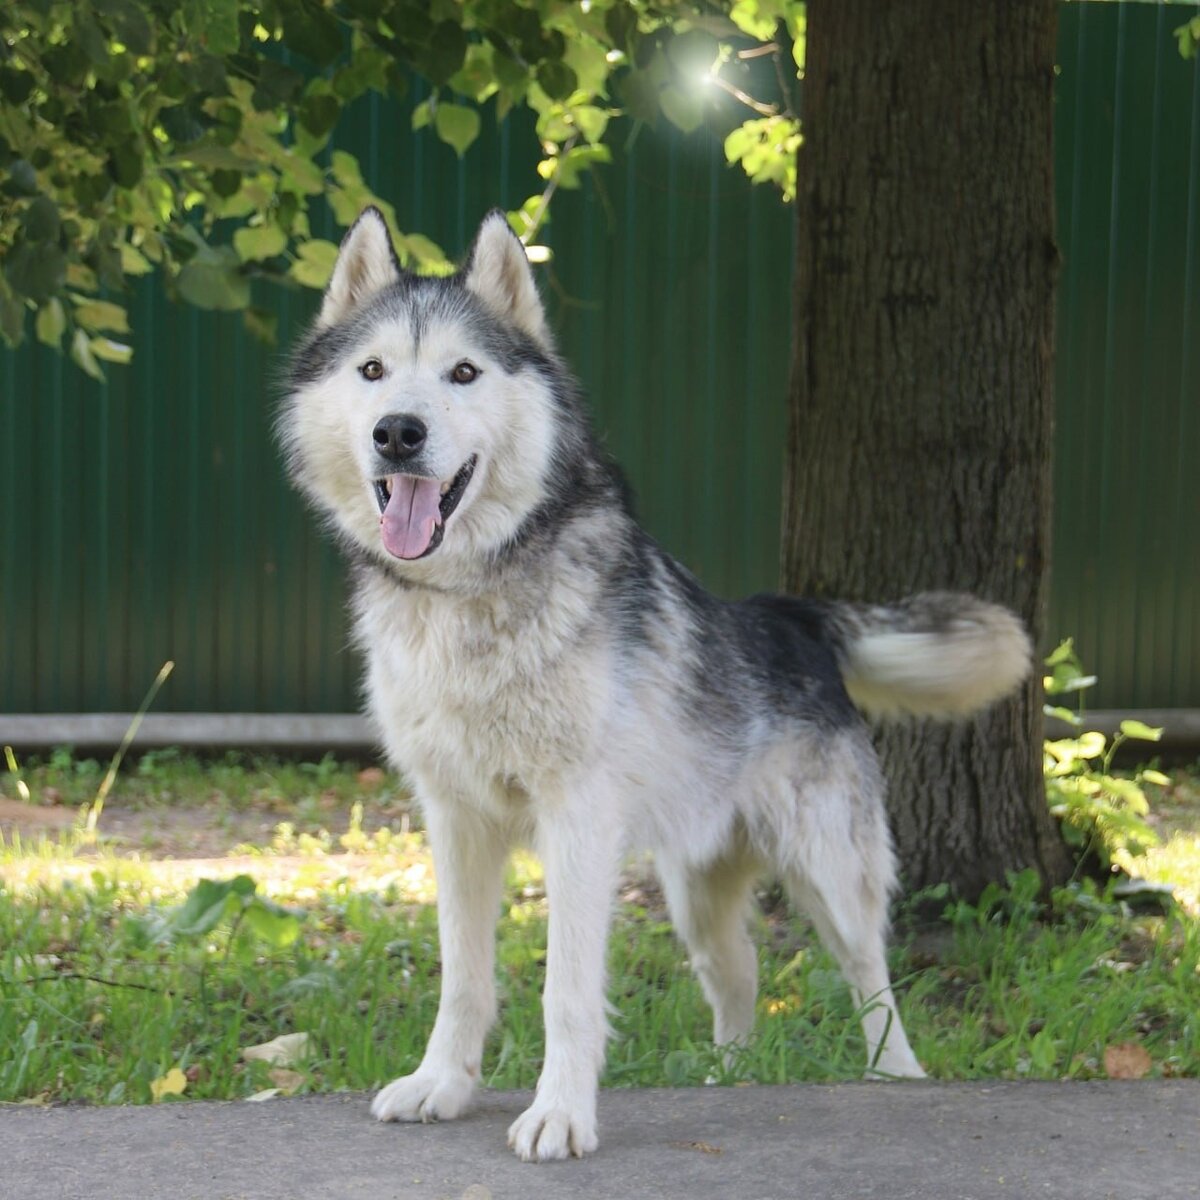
[482, 693]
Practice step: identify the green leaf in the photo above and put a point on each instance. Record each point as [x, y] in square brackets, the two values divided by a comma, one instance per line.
[261, 325]
[1136, 729]
[12, 316]
[681, 108]
[319, 114]
[272, 923]
[756, 18]
[203, 908]
[1063, 714]
[110, 351]
[81, 354]
[312, 31]
[133, 261]
[51, 322]
[428, 256]
[215, 22]
[639, 95]
[314, 264]
[590, 121]
[126, 163]
[36, 272]
[102, 315]
[41, 220]
[22, 179]
[556, 79]
[277, 85]
[445, 53]
[456, 125]
[214, 281]
[256, 242]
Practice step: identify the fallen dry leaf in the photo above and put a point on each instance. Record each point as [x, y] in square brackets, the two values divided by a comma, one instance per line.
[702, 1147]
[173, 1083]
[282, 1051]
[371, 777]
[1126, 1060]
[265, 1094]
[285, 1080]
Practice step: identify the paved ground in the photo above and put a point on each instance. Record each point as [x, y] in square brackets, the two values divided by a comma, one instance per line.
[984, 1141]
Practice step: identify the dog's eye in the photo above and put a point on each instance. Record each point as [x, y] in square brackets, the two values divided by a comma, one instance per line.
[464, 372]
[372, 369]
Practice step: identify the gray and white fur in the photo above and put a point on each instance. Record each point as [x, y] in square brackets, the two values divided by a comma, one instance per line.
[545, 674]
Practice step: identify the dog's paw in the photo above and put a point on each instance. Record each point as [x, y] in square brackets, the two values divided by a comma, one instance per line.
[546, 1131]
[425, 1095]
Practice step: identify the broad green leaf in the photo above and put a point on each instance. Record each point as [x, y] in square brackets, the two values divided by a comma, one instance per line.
[102, 315]
[204, 907]
[51, 322]
[1063, 714]
[427, 254]
[314, 263]
[271, 923]
[456, 125]
[213, 284]
[556, 79]
[256, 242]
[346, 169]
[262, 325]
[110, 351]
[1136, 729]
[41, 220]
[36, 272]
[82, 356]
[756, 18]
[1063, 652]
[133, 261]
[681, 108]
[590, 121]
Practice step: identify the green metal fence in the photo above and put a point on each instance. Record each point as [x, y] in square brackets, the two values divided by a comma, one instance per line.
[147, 519]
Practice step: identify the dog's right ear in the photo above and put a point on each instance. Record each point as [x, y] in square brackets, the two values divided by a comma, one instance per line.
[366, 264]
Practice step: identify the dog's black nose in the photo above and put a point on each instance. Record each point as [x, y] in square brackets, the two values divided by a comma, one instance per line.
[398, 438]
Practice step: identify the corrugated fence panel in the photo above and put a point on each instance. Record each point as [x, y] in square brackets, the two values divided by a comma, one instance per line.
[1126, 576]
[147, 518]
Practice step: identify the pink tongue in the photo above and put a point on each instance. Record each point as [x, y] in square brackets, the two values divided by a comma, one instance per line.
[411, 515]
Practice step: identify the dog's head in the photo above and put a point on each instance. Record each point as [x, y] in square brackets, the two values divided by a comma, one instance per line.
[421, 410]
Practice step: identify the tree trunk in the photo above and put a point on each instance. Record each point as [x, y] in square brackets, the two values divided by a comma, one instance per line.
[921, 420]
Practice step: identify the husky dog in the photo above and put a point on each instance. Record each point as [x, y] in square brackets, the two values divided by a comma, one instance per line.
[545, 674]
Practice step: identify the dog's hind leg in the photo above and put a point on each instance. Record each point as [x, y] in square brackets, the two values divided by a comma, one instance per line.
[710, 908]
[469, 854]
[847, 902]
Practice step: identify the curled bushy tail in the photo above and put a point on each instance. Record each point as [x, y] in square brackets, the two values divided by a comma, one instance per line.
[935, 654]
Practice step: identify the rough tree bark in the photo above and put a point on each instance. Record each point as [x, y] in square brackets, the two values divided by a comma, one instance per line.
[920, 435]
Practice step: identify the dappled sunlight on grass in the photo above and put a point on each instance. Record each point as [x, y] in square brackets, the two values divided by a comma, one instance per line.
[404, 868]
[1175, 862]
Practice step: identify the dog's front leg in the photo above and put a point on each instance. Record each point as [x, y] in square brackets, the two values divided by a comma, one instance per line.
[579, 845]
[469, 854]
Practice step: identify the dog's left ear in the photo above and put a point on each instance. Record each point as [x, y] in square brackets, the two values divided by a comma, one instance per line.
[497, 271]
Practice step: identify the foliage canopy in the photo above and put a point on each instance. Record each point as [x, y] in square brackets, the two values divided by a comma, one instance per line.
[193, 138]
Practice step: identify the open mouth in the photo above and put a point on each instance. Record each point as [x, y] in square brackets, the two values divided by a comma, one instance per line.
[414, 510]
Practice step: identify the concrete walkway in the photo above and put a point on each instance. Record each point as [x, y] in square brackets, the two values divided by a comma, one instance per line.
[968, 1141]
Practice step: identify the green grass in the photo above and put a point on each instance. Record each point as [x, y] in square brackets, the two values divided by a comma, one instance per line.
[100, 995]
